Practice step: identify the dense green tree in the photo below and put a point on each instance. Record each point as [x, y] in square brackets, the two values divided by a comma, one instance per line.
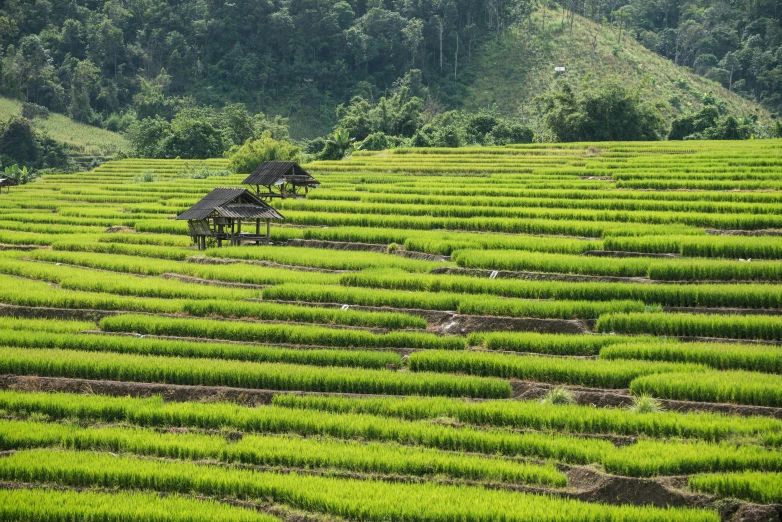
[609, 113]
[21, 144]
[246, 158]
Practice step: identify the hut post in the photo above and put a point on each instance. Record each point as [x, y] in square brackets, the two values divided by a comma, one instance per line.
[238, 231]
[258, 230]
[268, 230]
[220, 231]
[233, 228]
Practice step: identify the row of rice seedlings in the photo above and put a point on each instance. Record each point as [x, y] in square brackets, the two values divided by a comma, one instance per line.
[557, 199]
[545, 262]
[652, 184]
[723, 220]
[553, 344]
[234, 273]
[595, 373]
[288, 451]
[25, 292]
[302, 314]
[757, 296]
[730, 356]
[572, 227]
[73, 278]
[669, 270]
[492, 305]
[162, 252]
[559, 193]
[443, 243]
[153, 412]
[215, 372]
[764, 488]
[10, 237]
[370, 427]
[51, 505]
[47, 228]
[572, 418]
[196, 349]
[46, 325]
[715, 270]
[766, 327]
[57, 219]
[740, 387]
[648, 458]
[277, 333]
[147, 239]
[479, 305]
[733, 247]
[314, 257]
[361, 500]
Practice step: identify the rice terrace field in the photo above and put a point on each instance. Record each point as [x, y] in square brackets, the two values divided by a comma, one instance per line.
[564, 332]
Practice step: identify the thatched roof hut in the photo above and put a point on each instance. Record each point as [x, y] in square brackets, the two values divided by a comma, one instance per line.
[282, 179]
[220, 215]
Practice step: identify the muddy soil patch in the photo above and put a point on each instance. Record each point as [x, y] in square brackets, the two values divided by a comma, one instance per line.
[23, 248]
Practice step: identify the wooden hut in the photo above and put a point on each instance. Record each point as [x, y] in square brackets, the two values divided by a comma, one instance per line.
[8, 183]
[220, 215]
[281, 179]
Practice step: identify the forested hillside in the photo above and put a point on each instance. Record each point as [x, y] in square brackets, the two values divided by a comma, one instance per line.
[194, 79]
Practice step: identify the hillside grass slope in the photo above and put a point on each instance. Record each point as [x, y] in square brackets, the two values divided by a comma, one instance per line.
[81, 138]
[511, 70]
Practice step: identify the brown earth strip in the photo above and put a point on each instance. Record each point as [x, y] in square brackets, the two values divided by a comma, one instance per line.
[23, 248]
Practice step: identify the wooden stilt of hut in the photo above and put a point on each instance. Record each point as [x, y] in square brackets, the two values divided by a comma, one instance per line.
[281, 179]
[221, 213]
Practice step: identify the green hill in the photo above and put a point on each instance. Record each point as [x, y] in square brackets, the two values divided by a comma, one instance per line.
[512, 69]
[84, 141]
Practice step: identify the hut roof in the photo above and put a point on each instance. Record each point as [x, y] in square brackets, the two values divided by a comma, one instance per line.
[276, 172]
[231, 203]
